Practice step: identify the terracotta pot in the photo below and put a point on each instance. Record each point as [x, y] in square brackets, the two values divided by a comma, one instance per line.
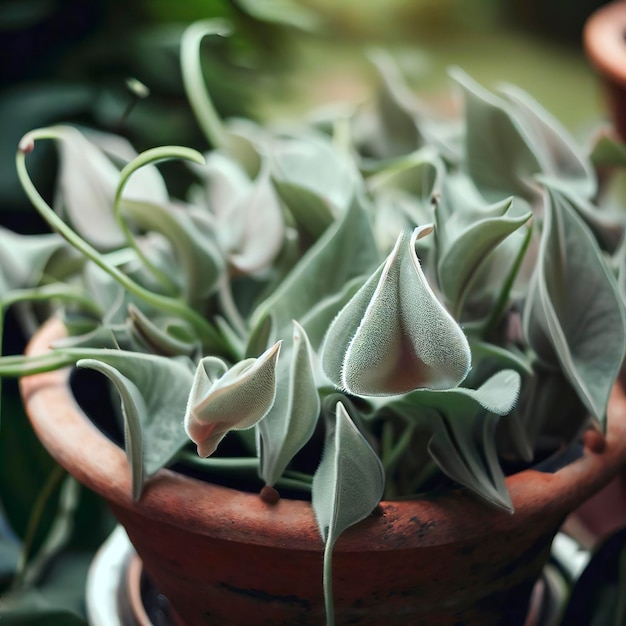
[605, 43]
[226, 557]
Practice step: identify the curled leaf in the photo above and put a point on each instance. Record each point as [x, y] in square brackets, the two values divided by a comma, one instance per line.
[223, 399]
[153, 391]
[292, 419]
[394, 336]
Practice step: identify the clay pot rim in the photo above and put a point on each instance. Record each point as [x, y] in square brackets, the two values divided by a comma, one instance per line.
[229, 514]
[604, 38]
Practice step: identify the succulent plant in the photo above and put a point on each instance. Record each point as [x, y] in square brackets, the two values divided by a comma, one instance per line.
[369, 304]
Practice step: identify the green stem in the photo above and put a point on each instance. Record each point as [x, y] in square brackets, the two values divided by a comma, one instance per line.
[211, 339]
[54, 291]
[193, 79]
[503, 298]
[18, 366]
[149, 157]
[328, 582]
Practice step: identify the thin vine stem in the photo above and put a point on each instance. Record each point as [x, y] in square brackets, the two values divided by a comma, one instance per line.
[149, 157]
[210, 337]
[503, 298]
[193, 79]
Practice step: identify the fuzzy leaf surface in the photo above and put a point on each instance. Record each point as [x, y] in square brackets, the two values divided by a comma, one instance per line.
[294, 414]
[224, 399]
[154, 392]
[575, 316]
[394, 335]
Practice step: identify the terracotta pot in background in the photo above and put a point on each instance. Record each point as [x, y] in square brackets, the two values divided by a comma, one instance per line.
[604, 38]
[225, 557]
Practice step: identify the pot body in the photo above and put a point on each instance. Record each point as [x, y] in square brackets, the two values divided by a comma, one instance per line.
[605, 46]
[222, 556]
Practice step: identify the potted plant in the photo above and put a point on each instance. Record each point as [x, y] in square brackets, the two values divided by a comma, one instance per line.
[393, 339]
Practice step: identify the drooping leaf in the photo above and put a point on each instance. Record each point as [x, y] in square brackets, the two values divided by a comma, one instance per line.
[347, 486]
[224, 399]
[463, 440]
[154, 392]
[394, 336]
[465, 451]
[575, 316]
[292, 419]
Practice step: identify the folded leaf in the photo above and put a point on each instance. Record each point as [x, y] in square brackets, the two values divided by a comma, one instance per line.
[224, 399]
[293, 416]
[154, 392]
[394, 336]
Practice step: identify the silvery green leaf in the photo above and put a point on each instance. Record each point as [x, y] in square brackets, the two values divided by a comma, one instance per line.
[560, 157]
[248, 220]
[320, 316]
[293, 416]
[396, 131]
[574, 315]
[87, 183]
[347, 486]
[499, 156]
[254, 228]
[314, 180]
[165, 336]
[497, 395]
[225, 181]
[345, 251]
[394, 335]
[24, 258]
[154, 393]
[466, 253]
[224, 399]
[463, 441]
[465, 451]
[192, 241]
[134, 412]
[349, 481]
[607, 222]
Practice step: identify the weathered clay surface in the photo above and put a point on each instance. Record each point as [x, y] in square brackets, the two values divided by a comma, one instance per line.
[227, 557]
